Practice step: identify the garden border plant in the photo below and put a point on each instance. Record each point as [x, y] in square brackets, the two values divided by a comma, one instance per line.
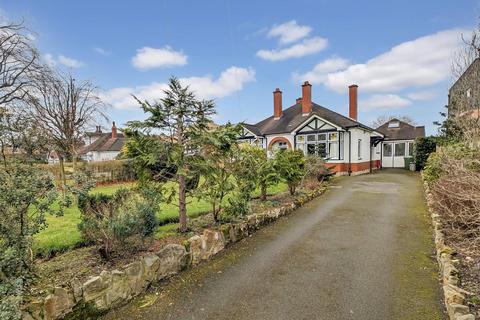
[113, 288]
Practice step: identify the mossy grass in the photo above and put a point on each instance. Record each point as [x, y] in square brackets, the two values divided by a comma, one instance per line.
[62, 234]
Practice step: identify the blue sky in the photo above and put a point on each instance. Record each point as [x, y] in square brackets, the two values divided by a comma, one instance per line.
[238, 52]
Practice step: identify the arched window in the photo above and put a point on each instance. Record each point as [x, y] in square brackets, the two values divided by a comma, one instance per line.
[279, 145]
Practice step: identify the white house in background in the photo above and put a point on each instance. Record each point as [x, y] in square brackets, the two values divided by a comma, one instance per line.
[348, 146]
[398, 143]
[102, 146]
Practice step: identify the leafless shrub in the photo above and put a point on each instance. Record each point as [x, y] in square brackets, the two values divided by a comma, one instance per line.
[457, 199]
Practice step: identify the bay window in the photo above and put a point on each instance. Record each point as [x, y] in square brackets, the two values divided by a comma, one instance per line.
[327, 145]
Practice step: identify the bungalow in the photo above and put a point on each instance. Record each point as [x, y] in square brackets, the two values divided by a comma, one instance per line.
[348, 146]
[102, 146]
[398, 142]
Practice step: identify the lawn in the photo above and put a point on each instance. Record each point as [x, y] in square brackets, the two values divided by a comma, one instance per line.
[62, 233]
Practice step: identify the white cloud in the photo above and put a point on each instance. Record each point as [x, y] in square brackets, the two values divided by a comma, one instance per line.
[49, 60]
[230, 81]
[289, 32]
[306, 47]
[321, 70]
[30, 36]
[383, 101]
[63, 60]
[70, 62]
[422, 95]
[150, 58]
[420, 62]
[101, 51]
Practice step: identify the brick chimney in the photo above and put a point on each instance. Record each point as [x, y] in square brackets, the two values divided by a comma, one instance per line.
[352, 97]
[306, 98]
[277, 104]
[114, 130]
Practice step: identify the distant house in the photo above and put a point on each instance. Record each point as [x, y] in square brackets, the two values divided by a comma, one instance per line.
[102, 146]
[464, 95]
[398, 142]
[348, 146]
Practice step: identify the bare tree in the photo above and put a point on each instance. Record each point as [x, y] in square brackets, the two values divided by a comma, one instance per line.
[18, 61]
[384, 119]
[65, 107]
[21, 137]
[466, 54]
[464, 95]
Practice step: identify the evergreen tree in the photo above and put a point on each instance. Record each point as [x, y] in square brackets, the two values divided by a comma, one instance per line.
[178, 121]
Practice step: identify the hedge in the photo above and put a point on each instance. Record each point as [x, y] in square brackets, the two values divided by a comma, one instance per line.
[102, 171]
[422, 149]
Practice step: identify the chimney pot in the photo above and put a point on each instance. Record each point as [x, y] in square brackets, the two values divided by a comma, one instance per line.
[277, 104]
[306, 98]
[353, 103]
[114, 130]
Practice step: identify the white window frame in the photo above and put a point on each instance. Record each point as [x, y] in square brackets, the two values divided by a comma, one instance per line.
[302, 142]
[359, 149]
[394, 124]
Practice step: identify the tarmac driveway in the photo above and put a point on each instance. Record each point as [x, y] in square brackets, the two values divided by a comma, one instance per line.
[363, 250]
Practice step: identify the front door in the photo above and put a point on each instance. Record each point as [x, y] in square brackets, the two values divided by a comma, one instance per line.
[393, 154]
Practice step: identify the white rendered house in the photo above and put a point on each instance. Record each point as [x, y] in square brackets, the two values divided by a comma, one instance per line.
[399, 142]
[103, 146]
[348, 146]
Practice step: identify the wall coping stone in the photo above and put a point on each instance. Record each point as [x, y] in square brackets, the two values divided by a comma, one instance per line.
[114, 288]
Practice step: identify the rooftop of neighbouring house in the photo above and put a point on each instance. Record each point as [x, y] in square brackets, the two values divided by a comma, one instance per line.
[106, 141]
[395, 129]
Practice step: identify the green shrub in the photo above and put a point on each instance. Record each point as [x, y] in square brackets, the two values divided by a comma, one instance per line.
[440, 162]
[315, 168]
[422, 149]
[290, 166]
[118, 222]
[432, 170]
[260, 169]
[26, 195]
[238, 206]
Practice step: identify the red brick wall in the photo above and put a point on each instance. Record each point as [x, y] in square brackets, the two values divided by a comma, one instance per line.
[355, 167]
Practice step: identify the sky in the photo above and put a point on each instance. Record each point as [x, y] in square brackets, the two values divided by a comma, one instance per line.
[237, 52]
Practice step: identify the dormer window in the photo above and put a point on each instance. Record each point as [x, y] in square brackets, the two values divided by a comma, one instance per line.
[394, 124]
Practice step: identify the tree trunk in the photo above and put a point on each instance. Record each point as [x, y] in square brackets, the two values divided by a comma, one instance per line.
[63, 178]
[4, 156]
[74, 159]
[74, 163]
[214, 207]
[292, 189]
[263, 191]
[182, 208]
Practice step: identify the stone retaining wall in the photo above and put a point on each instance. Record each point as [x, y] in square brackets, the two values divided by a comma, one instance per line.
[111, 289]
[454, 297]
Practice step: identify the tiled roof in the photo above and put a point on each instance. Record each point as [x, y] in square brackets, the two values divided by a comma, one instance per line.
[105, 143]
[292, 117]
[404, 131]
